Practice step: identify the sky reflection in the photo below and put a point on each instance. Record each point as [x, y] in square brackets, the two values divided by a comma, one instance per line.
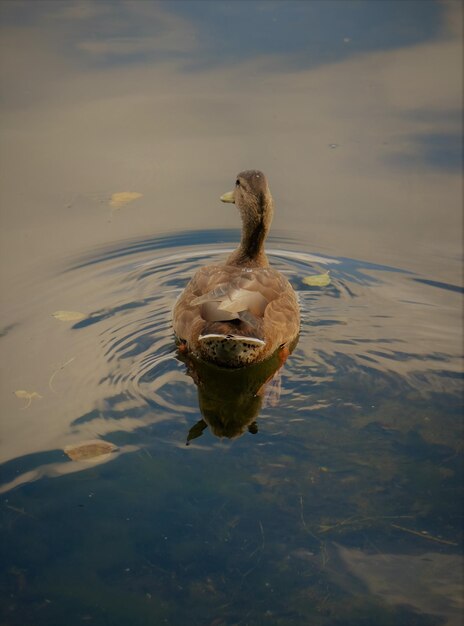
[349, 107]
[208, 33]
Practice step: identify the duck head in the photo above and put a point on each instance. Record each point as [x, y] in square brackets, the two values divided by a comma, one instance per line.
[253, 199]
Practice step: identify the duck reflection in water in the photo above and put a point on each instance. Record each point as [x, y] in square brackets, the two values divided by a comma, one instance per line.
[230, 399]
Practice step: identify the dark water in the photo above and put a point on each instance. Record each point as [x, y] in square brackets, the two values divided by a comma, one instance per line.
[332, 496]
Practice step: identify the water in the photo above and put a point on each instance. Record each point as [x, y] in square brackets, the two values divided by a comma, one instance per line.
[334, 495]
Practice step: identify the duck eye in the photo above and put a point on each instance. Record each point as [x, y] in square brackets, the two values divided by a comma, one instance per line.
[237, 183]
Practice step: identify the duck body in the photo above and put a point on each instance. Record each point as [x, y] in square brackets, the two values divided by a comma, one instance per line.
[240, 312]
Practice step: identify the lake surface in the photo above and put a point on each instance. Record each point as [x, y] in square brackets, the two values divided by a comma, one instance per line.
[333, 495]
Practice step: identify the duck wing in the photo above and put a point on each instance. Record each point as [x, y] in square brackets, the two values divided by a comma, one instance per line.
[229, 300]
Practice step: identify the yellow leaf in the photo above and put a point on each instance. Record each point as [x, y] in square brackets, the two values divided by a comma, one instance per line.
[90, 449]
[318, 280]
[21, 393]
[69, 316]
[124, 197]
[26, 395]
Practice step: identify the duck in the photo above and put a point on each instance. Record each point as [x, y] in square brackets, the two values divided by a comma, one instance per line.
[242, 311]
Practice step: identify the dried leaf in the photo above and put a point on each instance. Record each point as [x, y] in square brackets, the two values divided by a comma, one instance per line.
[90, 450]
[123, 197]
[21, 393]
[318, 280]
[69, 316]
[27, 395]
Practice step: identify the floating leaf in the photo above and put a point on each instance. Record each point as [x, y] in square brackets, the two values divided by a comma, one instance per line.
[26, 395]
[69, 316]
[89, 450]
[318, 280]
[124, 197]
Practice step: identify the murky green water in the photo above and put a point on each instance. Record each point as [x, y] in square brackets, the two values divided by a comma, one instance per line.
[334, 496]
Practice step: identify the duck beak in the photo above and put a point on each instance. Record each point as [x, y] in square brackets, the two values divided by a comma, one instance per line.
[228, 197]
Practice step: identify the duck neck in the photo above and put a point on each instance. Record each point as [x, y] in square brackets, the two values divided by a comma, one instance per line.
[251, 252]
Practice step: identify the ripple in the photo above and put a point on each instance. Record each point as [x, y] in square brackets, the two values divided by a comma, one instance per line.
[375, 333]
[139, 283]
[140, 280]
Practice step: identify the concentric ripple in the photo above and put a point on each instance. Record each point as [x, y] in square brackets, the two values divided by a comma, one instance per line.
[367, 320]
[371, 337]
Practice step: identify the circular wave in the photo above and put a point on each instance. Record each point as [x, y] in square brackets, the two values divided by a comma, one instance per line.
[359, 324]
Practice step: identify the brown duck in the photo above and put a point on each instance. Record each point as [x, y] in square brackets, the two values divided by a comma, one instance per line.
[243, 311]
